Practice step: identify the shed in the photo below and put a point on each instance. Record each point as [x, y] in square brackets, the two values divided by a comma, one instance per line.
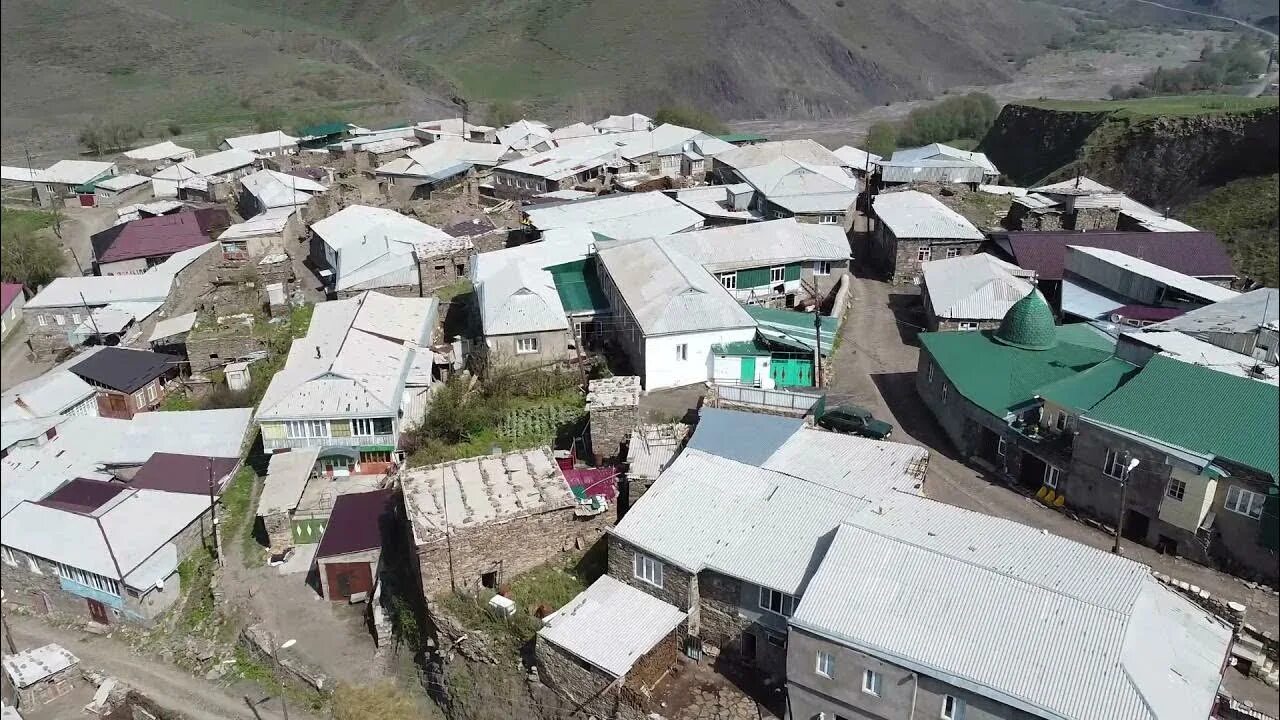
[41, 675]
[347, 559]
[287, 477]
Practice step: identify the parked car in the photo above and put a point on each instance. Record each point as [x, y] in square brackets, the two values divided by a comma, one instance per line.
[855, 421]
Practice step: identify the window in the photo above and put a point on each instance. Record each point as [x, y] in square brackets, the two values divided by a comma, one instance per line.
[1002, 447]
[825, 664]
[829, 219]
[75, 318]
[776, 602]
[307, 428]
[822, 267]
[930, 372]
[88, 579]
[6, 554]
[1113, 464]
[1177, 489]
[1060, 421]
[924, 253]
[151, 392]
[729, 281]
[647, 569]
[682, 351]
[952, 708]
[382, 426]
[953, 252]
[59, 320]
[489, 579]
[946, 389]
[968, 326]
[526, 345]
[1051, 476]
[371, 426]
[776, 274]
[32, 565]
[1244, 502]
[41, 319]
[776, 640]
[871, 682]
[140, 399]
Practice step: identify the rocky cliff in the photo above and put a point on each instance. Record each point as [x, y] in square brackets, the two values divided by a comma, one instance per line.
[1162, 154]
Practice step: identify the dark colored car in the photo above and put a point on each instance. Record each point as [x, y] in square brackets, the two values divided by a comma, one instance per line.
[855, 421]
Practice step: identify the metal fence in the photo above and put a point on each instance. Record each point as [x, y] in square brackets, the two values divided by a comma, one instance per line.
[780, 399]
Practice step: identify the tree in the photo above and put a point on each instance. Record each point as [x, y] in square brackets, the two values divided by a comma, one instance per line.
[30, 259]
[503, 112]
[966, 116]
[382, 701]
[100, 137]
[882, 139]
[690, 118]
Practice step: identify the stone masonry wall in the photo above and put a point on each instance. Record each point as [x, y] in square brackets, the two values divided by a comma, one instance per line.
[437, 271]
[721, 624]
[676, 583]
[614, 405]
[225, 345]
[279, 528]
[582, 684]
[410, 291]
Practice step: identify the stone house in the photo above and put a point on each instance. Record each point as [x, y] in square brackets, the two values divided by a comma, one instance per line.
[288, 474]
[128, 381]
[218, 170]
[479, 522]
[560, 168]
[810, 193]
[913, 228]
[1246, 324]
[350, 550]
[971, 292]
[1077, 205]
[931, 646]
[613, 404]
[41, 675]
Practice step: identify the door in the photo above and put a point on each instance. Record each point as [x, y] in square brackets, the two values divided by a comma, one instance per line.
[347, 579]
[791, 372]
[748, 375]
[98, 612]
[86, 200]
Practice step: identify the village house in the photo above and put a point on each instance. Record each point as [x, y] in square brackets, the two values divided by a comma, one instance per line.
[369, 248]
[534, 300]
[128, 381]
[810, 193]
[270, 189]
[720, 204]
[151, 157]
[938, 645]
[71, 310]
[913, 228]
[861, 163]
[1248, 324]
[314, 137]
[270, 232]
[56, 392]
[938, 163]
[666, 312]
[348, 385]
[1097, 281]
[625, 216]
[971, 292]
[267, 144]
[41, 675]
[59, 181]
[437, 166]
[350, 551]
[288, 474]
[139, 245]
[525, 135]
[574, 130]
[79, 540]
[12, 298]
[116, 191]
[557, 168]
[208, 176]
[1199, 255]
[728, 167]
[477, 523]
[1084, 204]
[623, 123]
[434, 131]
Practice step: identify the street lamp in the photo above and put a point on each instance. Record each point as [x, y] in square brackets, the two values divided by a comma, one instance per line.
[1124, 496]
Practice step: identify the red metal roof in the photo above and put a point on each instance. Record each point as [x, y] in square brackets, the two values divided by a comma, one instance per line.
[158, 236]
[183, 473]
[82, 495]
[1198, 254]
[8, 293]
[356, 523]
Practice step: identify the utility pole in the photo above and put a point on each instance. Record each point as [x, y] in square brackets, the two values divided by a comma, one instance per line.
[817, 344]
[92, 322]
[1129, 465]
[213, 515]
[448, 539]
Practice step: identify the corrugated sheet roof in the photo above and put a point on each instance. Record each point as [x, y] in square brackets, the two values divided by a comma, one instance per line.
[1241, 314]
[748, 438]
[125, 369]
[749, 156]
[611, 625]
[762, 244]
[357, 523]
[1163, 275]
[974, 287]
[623, 216]
[167, 150]
[1199, 409]
[998, 377]
[913, 214]
[578, 286]
[939, 171]
[939, 151]
[1193, 350]
[173, 472]
[515, 292]
[858, 159]
[287, 476]
[969, 599]
[206, 165]
[1198, 254]
[274, 140]
[1081, 392]
[666, 292]
[794, 327]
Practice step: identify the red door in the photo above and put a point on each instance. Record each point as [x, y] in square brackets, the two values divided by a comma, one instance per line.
[98, 612]
[347, 579]
[86, 200]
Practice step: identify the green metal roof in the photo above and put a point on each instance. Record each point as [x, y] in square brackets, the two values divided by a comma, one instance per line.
[741, 348]
[793, 328]
[998, 377]
[1081, 392]
[1028, 324]
[1199, 409]
[331, 128]
[578, 287]
[742, 137]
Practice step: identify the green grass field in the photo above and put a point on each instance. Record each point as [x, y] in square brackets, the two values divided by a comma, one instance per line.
[1181, 105]
[20, 222]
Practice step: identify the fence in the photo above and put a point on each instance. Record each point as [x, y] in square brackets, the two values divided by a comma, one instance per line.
[789, 401]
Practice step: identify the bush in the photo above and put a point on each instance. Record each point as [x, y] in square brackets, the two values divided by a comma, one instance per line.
[882, 139]
[30, 259]
[503, 112]
[690, 118]
[967, 116]
[100, 137]
[174, 129]
[1228, 65]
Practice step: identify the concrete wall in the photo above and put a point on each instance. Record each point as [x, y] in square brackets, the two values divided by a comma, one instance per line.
[663, 368]
[903, 694]
[553, 346]
[367, 556]
[133, 266]
[12, 316]
[727, 370]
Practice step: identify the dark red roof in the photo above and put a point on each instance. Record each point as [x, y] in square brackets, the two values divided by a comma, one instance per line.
[1146, 312]
[8, 293]
[356, 523]
[183, 473]
[159, 236]
[82, 495]
[1198, 254]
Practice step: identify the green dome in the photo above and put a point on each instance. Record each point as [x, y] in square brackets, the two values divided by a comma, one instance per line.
[1028, 324]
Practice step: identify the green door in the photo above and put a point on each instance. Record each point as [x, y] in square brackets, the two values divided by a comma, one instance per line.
[791, 372]
[748, 375]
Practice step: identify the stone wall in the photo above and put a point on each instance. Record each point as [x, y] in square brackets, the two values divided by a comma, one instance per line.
[48, 339]
[614, 406]
[408, 291]
[679, 588]
[1100, 218]
[440, 270]
[721, 625]
[508, 546]
[279, 529]
[954, 413]
[221, 346]
[584, 685]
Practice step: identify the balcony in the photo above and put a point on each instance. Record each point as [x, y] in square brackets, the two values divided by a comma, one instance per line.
[1046, 439]
[270, 444]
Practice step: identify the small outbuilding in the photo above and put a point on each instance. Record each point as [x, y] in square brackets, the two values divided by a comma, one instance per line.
[349, 552]
[41, 675]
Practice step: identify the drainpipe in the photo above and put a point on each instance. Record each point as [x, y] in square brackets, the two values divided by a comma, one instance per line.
[915, 689]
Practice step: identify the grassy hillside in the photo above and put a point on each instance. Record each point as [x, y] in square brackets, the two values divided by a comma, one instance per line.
[1179, 106]
[1245, 214]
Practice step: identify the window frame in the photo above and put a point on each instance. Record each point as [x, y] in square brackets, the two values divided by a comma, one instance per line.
[945, 391]
[7, 556]
[1113, 461]
[966, 325]
[42, 320]
[1052, 476]
[527, 345]
[954, 252]
[1060, 420]
[956, 711]
[1239, 493]
[647, 569]
[682, 352]
[729, 280]
[871, 682]
[924, 254]
[822, 267]
[1002, 446]
[786, 604]
[779, 272]
[1176, 489]
[830, 219]
[824, 664]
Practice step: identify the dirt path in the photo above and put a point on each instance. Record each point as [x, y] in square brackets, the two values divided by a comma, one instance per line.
[1241, 23]
[197, 699]
[875, 367]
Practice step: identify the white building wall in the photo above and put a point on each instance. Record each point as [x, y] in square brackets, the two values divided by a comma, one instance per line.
[663, 369]
[162, 188]
[727, 370]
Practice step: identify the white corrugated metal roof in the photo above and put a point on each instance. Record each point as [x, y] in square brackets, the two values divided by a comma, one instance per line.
[942, 171]
[803, 187]
[287, 476]
[970, 599]
[276, 189]
[807, 151]
[1193, 351]
[274, 140]
[76, 172]
[1159, 273]
[667, 292]
[621, 217]
[52, 393]
[1241, 314]
[911, 214]
[170, 327]
[208, 165]
[267, 222]
[120, 183]
[1076, 186]
[623, 123]
[652, 448]
[31, 666]
[760, 244]
[167, 150]
[515, 292]
[611, 625]
[974, 287]
[20, 174]
[373, 243]
[938, 151]
[765, 524]
[1149, 219]
[152, 285]
[856, 158]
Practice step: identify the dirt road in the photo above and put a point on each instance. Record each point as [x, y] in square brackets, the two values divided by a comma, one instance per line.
[1239, 22]
[197, 699]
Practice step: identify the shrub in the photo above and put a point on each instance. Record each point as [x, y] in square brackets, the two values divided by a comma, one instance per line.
[100, 137]
[503, 112]
[690, 118]
[967, 116]
[882, 139]
[174, 129]
[30, 259]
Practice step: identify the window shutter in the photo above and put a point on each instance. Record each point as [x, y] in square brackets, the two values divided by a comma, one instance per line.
[792, 272]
